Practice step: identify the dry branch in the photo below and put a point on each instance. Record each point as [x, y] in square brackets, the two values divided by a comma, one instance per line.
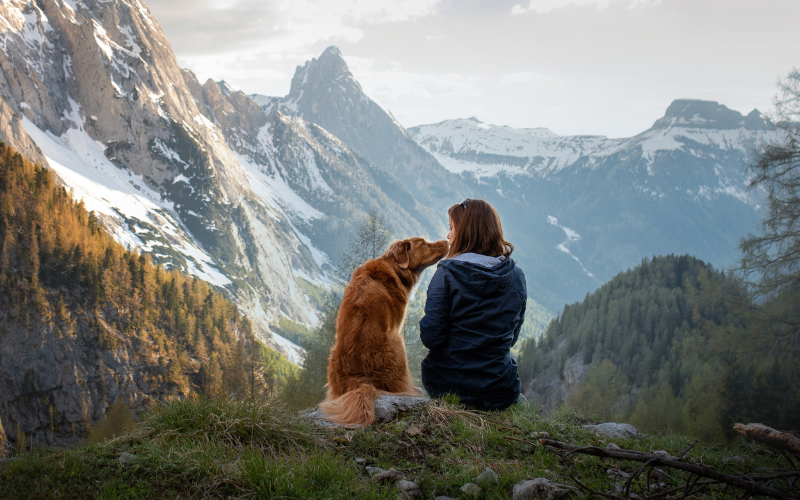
[747, 484]
[767, 435]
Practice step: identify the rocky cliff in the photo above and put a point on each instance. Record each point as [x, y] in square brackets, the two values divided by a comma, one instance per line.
[93, 89]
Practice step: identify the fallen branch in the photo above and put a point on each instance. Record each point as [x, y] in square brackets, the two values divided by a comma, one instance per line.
[767, 435]
[700, 470]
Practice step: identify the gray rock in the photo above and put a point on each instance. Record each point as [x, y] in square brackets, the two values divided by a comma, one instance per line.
[386, 408]
[389, 476]
[613, 430]
[127, 458]
[472, 490]
[613, 446]
[372, 471]
[663, 454]
[488, 476]
[538, 489]
[361, 461]
[409, 489]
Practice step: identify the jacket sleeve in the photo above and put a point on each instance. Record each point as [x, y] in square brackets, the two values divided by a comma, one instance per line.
[434, 326]
[521, 321]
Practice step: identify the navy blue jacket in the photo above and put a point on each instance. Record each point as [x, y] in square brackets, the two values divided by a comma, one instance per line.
[473, 314]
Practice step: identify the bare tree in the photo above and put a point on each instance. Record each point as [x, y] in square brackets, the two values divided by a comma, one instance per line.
[371, 239]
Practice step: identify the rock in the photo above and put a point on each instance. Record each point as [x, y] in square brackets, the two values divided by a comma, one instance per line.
[538, 489]
[472, 490]
[613, 446]
[613, 430]
[663, 454]
[372, 471]
[127, 458]
[390, 476]
[409, 489]
[361, 461]
[539, 435]
[488, 476]
[386, 408]
[415, 430]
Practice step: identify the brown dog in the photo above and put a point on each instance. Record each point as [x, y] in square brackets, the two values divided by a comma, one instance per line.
[369, 357]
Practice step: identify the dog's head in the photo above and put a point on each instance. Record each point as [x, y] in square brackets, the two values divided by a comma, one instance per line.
[417, 254]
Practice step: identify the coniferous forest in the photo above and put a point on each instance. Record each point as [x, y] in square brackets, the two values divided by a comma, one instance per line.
[665, 346]
[64, 280]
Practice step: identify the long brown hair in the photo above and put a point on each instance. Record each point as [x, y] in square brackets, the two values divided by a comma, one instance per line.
[477, 229]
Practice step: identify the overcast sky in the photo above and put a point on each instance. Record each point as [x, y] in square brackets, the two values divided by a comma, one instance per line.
[608, 67]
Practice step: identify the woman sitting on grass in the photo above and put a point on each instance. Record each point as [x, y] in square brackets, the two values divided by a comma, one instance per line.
[474, 312]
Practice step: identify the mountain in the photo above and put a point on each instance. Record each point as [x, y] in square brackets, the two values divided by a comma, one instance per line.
[93, 89]
[679, 187]
[324, 92]
[667, 346]
[324, 186]
[86, 323]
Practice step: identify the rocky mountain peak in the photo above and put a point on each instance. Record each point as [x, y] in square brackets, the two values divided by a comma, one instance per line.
[695, 113]
[321, 73]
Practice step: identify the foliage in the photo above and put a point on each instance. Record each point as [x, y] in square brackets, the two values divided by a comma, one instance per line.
[116, 421]
[59, 270]
[671, 329]
[199, 448]
[306, 388]
[369, 242]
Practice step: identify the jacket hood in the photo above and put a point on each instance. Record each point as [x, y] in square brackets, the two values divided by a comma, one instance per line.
[479, 275]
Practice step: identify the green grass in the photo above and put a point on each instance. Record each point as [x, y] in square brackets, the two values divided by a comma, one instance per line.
[258, 449]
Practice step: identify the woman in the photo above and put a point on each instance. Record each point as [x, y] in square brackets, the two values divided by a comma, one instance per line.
[474, 311]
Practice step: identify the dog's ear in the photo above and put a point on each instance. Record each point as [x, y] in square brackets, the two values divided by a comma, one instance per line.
[401, 251]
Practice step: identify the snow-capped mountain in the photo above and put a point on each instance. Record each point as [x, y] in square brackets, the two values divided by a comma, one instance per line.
[324, 92]
[679, 187]
[92, 89]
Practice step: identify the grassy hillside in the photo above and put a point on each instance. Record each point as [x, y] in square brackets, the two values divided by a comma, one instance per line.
[256, 449]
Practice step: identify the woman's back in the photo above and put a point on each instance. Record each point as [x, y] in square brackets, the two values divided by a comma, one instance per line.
[473, 314]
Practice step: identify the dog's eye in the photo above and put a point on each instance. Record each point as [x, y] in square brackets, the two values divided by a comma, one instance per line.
[423, 243]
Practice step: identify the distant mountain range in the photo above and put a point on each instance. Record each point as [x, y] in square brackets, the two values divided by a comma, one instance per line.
[258, 195]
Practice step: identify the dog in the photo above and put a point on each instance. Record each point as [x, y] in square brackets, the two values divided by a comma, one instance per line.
[369, 356]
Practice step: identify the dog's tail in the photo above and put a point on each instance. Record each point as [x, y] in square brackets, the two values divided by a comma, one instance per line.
[352, 409]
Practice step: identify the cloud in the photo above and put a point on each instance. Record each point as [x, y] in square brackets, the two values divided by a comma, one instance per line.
[544, 6]
[203, 26]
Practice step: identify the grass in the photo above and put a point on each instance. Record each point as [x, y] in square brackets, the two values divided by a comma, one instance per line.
[258, 449]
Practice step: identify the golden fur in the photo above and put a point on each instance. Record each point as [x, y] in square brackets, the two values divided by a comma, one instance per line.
[369, 357]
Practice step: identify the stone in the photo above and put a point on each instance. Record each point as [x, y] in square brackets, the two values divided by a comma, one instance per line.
[388, 476]
[386, 408]
[488, 476]
[538, 489]
[372, 471]
[613, 430]
[127, 458]
[663, 454]
[472, 490]
[539, 435]
[613, 446]
[409, 489]
[361, 461]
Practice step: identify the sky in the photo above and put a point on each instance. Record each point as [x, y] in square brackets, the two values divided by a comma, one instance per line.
[593, 67]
